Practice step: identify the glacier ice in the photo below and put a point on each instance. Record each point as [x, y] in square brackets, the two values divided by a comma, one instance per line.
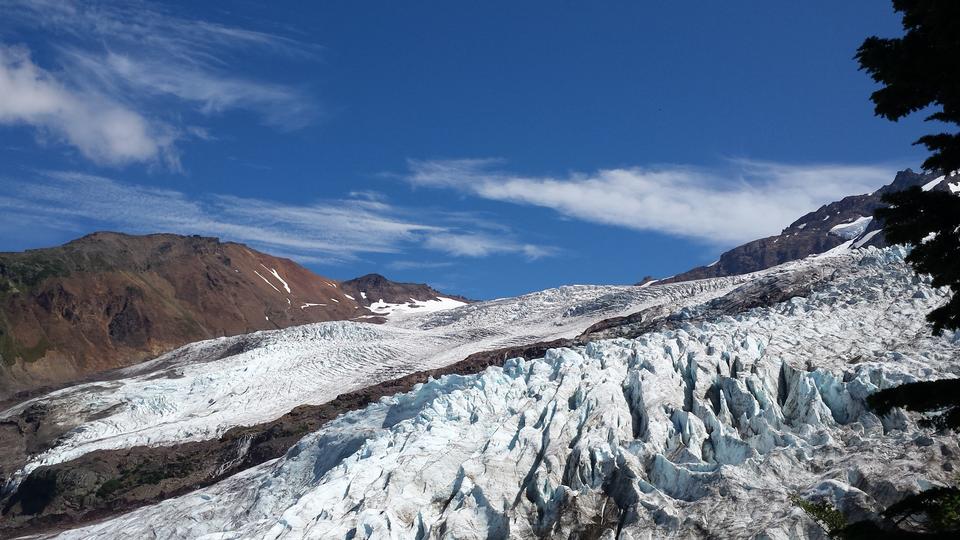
[203, 389]
[699, 430]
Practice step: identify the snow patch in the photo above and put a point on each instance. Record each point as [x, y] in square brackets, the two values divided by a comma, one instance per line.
[933, 183]
[386, 309]
[866, 238]
[277, 275]
[266, 281]
[851, 229]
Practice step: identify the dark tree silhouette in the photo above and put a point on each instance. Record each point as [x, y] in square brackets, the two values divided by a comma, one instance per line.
[939, 396]
[920, 70]
[930, 220]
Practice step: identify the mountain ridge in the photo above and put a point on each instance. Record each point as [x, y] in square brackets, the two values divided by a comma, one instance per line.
[813, 233]
[108, 300]
[371, 288]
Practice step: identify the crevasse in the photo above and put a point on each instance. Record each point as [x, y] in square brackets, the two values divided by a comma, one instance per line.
[702, 429]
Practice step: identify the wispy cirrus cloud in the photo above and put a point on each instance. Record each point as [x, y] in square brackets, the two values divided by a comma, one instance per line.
[483, 244]
[328, 231]
[208, 90]
[418, 265]
[140, 67]
[102, 129]
[144, 22]
[736, 203]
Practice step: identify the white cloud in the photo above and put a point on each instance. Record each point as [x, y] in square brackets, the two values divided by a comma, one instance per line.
[418, 265]
[115, 60]
[103, 130]
[483, 245]
[330, 231]
[206, 88]
[367, 194]
[147, 25]
[744, 201]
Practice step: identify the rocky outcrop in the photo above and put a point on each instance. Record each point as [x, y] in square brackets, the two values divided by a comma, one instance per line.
[372, 288]
[108, 300]
[816, 232]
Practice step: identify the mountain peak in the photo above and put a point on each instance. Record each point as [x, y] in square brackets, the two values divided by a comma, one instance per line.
[110, 299]
[371, 288]
[848, 220]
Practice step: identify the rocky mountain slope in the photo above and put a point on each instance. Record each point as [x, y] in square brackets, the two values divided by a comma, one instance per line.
[385, 297]
[846, 220]
[701, 419]
[372, 288]
[108, 300]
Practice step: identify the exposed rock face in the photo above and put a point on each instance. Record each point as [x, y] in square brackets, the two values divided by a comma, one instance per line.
[108, 300]
[372, 288]
[813, 233]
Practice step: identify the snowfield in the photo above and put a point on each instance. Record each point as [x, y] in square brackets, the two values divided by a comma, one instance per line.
[414, 306]
[701, 430]
[201, 390]
[853, 229]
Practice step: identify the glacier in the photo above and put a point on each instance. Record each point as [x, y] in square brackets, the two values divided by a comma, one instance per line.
[701, 429]
[201, 390]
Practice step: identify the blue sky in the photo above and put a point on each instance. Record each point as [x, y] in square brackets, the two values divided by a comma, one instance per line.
[489, 148]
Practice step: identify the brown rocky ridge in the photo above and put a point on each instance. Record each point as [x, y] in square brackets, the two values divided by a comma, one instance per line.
[110, 300]
[372, 288]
